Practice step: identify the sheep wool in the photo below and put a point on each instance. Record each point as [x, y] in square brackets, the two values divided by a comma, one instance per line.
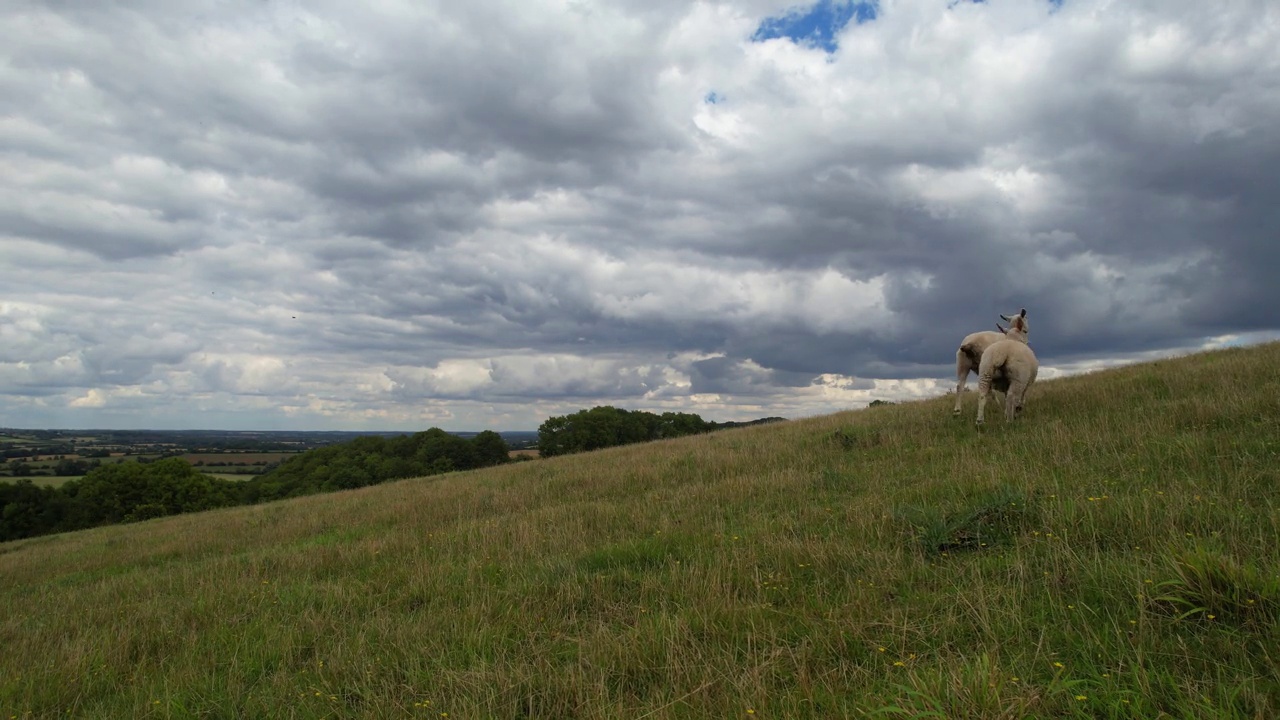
[1009, 366]
[969, 356]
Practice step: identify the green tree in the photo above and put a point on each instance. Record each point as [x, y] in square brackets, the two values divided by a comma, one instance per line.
[555, 436]
[607, 426]
[373, 459]
[27, 510]
[131, 491]
[490, 448]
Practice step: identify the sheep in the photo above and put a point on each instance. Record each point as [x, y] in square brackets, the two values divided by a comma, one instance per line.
[969, 355]
[1009, 366]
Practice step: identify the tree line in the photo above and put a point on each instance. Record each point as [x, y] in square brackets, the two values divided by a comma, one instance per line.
[110, 494]
[375, 459]
[131, 491]
[607, 426]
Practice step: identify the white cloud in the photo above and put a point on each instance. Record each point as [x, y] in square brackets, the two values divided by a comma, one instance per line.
[472, 214]
[95, 398]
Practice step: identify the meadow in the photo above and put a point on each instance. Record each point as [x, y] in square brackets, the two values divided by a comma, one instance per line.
[1114, 553]
[225, 465]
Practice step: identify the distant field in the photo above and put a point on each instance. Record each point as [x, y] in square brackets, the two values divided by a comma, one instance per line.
[48, 466]
[47, 461]
[231, 466]
[236, 465]
[6, 440]
[41, 481]
[530, 452]
[47, 481]
[237, 458]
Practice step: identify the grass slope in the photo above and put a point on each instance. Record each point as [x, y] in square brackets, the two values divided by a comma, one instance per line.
[1112, 554]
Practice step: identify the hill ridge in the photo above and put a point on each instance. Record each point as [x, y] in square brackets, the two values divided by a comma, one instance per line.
[1110, 554]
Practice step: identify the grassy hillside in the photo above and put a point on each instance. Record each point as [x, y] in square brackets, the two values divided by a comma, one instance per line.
[1114, 553]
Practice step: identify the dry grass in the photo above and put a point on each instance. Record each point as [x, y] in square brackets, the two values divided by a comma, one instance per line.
[1112, 554]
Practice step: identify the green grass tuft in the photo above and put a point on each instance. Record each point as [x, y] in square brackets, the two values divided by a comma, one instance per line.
[988, 522]
[1208, 585]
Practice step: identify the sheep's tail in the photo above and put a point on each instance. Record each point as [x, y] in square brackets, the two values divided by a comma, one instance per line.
[971, 352]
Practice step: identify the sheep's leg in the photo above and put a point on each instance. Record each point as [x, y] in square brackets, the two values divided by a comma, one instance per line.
[984, 389]
[963, 367]
[1013, 400]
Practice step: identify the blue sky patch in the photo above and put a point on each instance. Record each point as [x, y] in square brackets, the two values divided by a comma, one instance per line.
[815, 25]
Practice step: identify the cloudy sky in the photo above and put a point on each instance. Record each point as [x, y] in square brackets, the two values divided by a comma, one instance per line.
[470, 214]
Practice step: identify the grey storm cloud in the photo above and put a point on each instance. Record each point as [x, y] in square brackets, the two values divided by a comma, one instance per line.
[478, 214]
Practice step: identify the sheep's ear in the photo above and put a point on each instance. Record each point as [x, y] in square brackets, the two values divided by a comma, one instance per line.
[1001, 329]
[1005, 318]
[1023, 313]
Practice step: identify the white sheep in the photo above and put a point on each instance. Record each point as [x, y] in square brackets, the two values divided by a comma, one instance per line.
[969, 356]
[1009, 366]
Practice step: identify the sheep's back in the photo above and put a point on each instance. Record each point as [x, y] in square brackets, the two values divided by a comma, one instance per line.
[975, 344]
[1008, 357]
